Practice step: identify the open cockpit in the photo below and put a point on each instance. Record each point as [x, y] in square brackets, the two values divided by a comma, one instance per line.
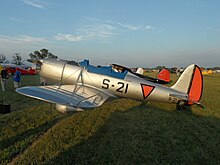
[113, 71]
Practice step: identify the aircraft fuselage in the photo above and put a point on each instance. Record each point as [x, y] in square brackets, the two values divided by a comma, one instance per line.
[130, 86]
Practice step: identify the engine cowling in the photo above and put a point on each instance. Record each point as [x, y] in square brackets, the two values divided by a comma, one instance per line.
[57, 71]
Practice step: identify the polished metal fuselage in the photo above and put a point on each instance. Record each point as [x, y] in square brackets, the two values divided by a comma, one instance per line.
[61, 72]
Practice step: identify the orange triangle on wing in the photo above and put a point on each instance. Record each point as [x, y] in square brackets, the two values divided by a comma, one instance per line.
[146, 90]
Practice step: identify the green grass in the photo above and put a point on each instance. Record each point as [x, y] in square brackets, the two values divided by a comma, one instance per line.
[121, 131]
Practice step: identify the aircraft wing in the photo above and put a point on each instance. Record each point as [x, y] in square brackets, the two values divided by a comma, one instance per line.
[79, 96]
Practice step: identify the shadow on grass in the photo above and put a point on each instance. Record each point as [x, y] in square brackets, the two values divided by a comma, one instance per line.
[17, 144]
[30, 132]
[145, 134]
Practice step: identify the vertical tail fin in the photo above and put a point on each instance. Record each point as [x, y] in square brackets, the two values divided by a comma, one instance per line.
[191, 83]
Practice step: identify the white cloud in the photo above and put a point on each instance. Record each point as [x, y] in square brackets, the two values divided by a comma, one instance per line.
[119, 25]
[24, 44]
[98, 30]
[34, 3]
[87, 33]
[149, 27]
[129, 27]
[22, 39]
[68, 37]
[30, 39]
[16, 19]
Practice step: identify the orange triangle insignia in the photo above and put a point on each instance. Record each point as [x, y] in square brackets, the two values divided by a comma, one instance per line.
[146, 90]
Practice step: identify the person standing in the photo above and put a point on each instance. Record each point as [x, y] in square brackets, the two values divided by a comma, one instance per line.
[17, 78]
[42, 81]
[4, 77]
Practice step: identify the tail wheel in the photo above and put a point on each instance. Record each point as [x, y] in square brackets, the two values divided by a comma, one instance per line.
[183, 106]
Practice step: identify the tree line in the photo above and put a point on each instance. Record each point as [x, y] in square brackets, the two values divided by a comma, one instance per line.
[36, 55]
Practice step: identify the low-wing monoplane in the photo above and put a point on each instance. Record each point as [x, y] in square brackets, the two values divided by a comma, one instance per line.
[79, 85]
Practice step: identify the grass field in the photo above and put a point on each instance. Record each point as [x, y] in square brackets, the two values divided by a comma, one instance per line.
[121, 131]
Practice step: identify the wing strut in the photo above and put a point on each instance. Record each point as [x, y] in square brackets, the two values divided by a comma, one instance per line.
[61, 78]
[77, 81]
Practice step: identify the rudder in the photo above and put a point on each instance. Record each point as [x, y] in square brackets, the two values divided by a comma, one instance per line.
[196, 87]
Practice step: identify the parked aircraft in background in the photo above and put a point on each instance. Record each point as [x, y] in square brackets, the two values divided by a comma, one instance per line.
[11, 68]
[140, 71]
[23, 71]
[83, 86]
[177, 71]
[164, 76]
[207, 72]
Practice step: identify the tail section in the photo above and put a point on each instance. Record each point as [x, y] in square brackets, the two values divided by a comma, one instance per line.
[164, 75]
[191, 83]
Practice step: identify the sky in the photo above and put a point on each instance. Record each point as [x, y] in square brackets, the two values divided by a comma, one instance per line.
[133, 33]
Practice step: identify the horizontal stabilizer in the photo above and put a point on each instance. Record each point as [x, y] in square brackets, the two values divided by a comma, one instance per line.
[187, 100]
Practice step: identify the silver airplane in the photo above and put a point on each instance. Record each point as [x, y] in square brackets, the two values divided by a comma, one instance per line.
[79, 85]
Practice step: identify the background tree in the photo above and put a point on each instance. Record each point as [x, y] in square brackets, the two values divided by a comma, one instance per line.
[17, 59]
[50, 55]
[160, 67]
[43, 53]
[2, 58]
